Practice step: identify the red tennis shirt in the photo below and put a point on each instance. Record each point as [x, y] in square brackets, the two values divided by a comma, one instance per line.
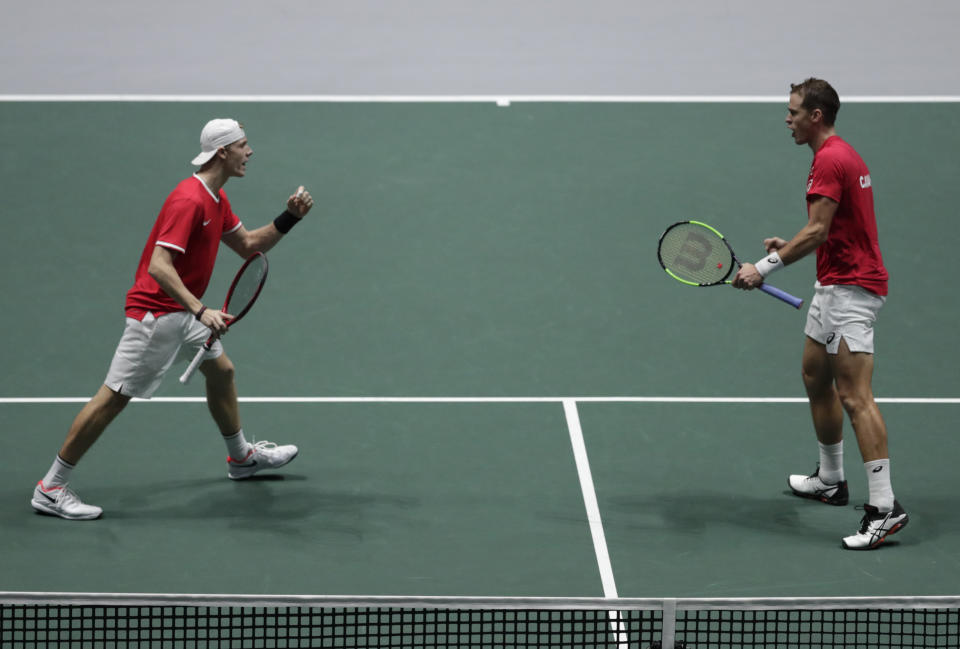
[851, 253]
[191, 223]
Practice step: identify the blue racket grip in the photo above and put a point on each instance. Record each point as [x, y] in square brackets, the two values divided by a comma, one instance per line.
[795, 302]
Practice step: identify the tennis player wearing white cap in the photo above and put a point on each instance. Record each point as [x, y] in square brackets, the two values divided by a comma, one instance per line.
[166, 319]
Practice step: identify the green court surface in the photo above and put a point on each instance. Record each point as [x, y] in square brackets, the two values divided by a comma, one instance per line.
[471, 251]
[695, 503]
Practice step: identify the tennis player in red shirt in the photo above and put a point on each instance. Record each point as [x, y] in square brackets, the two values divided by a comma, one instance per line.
[166, 319]
[850, 290]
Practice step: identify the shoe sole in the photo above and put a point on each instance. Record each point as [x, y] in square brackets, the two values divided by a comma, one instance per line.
[42, 508]
[824, 499]
[893, 530]
[253, 473]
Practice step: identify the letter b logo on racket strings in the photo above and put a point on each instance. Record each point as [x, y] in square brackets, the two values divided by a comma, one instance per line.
[694, 252]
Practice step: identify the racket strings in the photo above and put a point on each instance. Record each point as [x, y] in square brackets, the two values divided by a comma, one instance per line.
[695, 254]
[246, 287]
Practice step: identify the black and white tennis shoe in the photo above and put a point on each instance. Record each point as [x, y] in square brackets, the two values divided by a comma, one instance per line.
[876, 526]
[813, 487]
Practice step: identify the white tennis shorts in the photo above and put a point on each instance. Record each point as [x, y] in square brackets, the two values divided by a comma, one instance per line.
[842, 311]
[149, 347]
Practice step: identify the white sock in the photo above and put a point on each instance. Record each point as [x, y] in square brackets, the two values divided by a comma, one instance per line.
[878, 482]
[237, 445]
[831, 462]
[59, 473]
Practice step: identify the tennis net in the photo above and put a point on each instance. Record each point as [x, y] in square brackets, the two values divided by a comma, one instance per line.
[97, 620]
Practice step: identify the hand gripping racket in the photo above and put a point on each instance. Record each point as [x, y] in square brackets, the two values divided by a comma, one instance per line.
[696, 254]
[243, 293]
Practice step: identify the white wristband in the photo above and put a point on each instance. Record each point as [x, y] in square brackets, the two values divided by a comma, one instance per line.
[769, 264]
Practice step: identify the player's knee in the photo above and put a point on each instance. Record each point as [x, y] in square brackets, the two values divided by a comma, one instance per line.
[853, 399]
[815, 382]
[117, 405]
[225, 371]
[110, 402]
[220, 370]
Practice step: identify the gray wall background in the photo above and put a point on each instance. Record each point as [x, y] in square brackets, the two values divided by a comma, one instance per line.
[498, 47]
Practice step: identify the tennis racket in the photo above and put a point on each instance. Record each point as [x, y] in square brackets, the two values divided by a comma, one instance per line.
[696, 254]
[242, 294]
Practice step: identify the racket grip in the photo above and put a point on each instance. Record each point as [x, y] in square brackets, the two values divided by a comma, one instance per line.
[795, 302]
[194, 364]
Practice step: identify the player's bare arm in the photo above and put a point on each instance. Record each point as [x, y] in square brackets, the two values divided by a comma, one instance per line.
[808, 239]
[814, 233]
[162, 270]
[246, 242]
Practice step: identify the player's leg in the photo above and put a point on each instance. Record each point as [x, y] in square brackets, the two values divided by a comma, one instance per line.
[142, 356]
[90, 423]
[244, 459]
[223, 405]
[827, 483]
[222, 393]
[51, 494]
[825, 405]
[854, 380]
[883, 514]
[852, 316]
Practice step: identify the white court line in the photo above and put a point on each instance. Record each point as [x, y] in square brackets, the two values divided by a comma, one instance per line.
[906, 400]
[500, 100]
[617, 626]
[590, 498]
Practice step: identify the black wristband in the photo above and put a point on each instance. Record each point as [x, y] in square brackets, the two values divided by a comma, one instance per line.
[285, 221]
[200, 312]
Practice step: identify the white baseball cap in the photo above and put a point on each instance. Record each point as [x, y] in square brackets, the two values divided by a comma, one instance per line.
[217, 133]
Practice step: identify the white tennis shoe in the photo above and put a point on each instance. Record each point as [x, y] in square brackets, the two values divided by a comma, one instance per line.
[813, 487]
[263, 455]
[62, 502]
[875, 527]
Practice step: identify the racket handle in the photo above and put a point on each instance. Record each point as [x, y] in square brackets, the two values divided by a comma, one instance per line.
[795, 302]
[194, 364]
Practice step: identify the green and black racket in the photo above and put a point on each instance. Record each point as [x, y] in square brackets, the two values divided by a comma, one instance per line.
[697, 255]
